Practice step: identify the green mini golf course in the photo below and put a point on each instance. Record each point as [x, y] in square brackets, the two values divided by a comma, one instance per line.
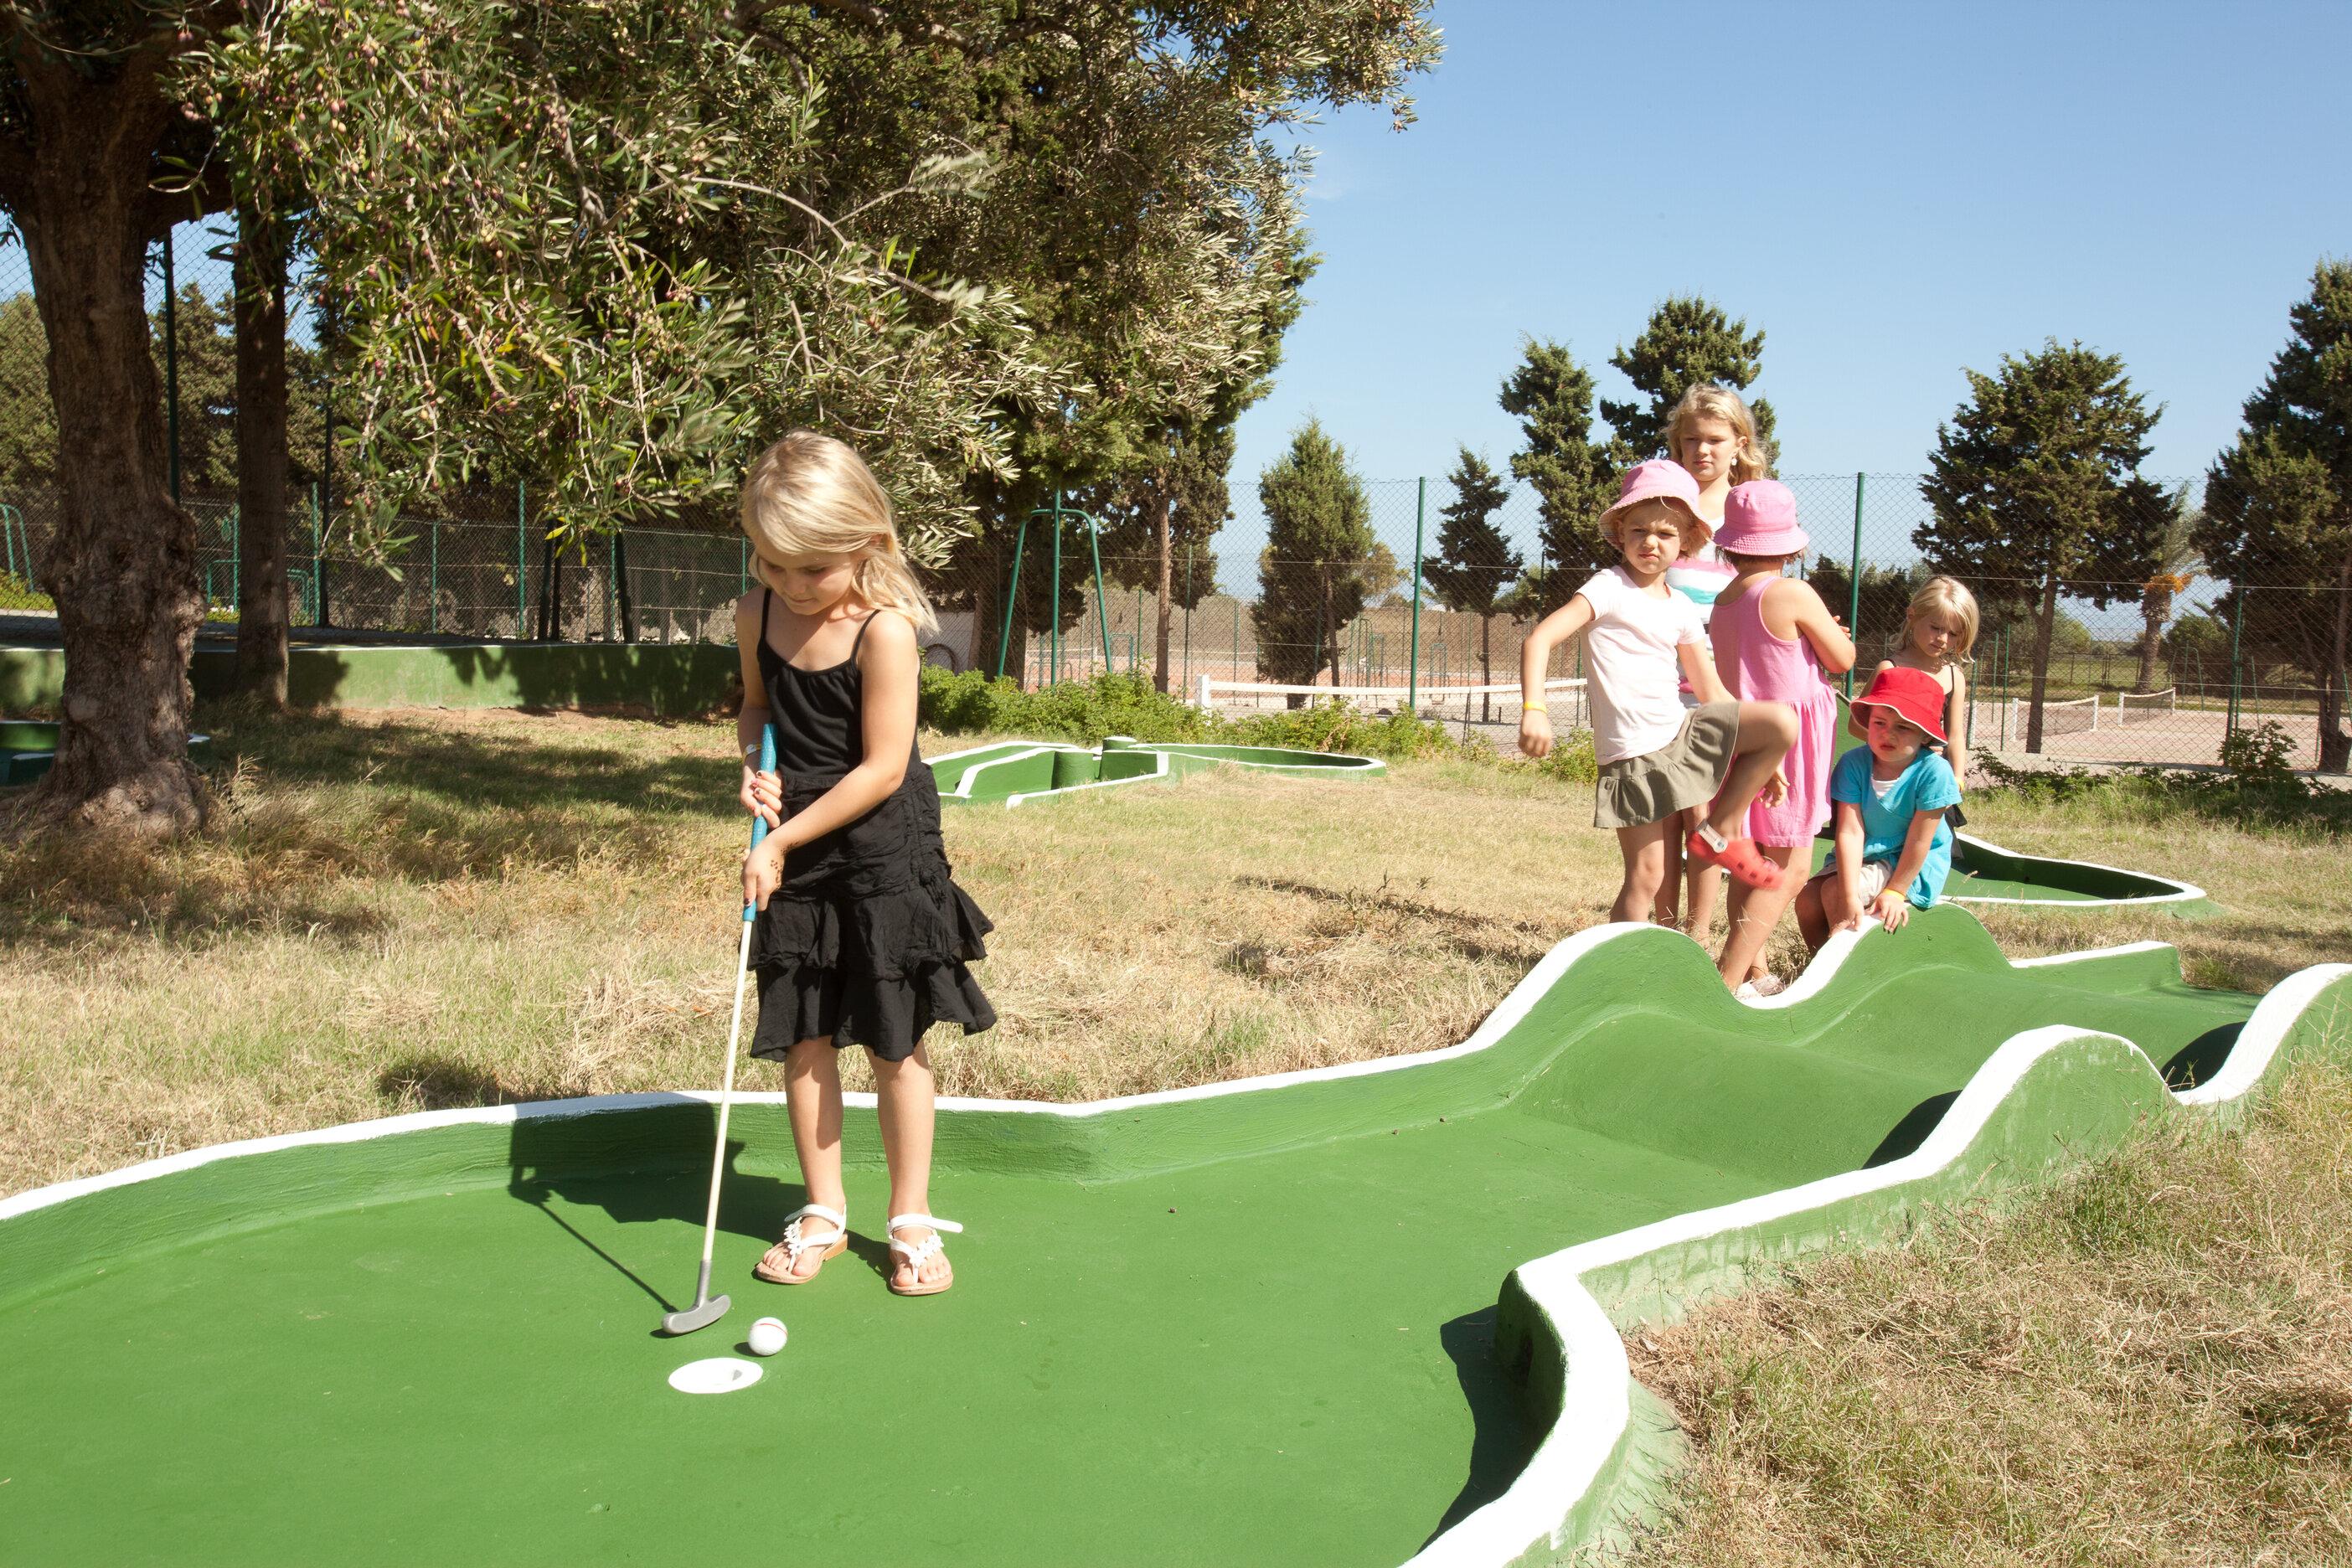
[1355, 1316]
[1012, 773]
[27, 747]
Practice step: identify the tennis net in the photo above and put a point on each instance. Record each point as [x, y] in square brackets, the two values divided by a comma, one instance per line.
[2140, 706]
[2075, 717]
[1498, 704]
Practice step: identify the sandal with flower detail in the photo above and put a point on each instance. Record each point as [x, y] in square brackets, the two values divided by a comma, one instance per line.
[1738, 856]
[917, 1253]
[778, 1270]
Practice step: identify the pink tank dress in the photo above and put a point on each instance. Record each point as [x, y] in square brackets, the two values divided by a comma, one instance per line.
[1768, 668]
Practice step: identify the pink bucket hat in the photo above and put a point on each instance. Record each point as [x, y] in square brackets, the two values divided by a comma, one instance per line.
[1760, 518]
[1660, 479]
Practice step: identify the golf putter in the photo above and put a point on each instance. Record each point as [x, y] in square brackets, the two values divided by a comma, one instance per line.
[707, 1309]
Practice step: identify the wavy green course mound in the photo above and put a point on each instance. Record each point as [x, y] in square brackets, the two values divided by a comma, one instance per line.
[27, 747]
[1251, 1322]
[1013, 773]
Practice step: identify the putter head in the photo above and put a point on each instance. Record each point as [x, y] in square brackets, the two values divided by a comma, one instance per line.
[700, 1316]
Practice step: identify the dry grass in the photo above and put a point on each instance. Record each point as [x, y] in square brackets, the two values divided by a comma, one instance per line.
[2152, 1364]
[422, 909]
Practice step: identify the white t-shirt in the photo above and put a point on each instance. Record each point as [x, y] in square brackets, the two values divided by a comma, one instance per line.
[1632, 661]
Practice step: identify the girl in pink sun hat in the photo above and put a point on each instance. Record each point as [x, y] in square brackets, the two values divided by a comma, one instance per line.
[1776, 641]
[1656, 760]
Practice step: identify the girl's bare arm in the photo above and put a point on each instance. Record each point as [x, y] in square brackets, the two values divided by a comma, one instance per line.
[1563, 625]
[1699, 669]
[759, 793]
[1818, 627]
[1956, 724]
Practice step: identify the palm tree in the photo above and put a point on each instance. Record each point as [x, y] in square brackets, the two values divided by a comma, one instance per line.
[2177, 564]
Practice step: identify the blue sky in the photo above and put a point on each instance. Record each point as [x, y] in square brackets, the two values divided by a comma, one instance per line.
[1891, 192]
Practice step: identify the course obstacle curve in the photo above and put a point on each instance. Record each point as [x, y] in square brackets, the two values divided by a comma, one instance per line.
[1014, 773]
[1183, 1328]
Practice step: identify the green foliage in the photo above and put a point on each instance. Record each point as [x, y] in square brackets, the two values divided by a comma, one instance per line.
[1688, 342]
[2035, 480]
[28, 420]
[2260, 755]
[1574, 476]
[1474, 562]
[2199, 637]
[2278, 503]
[1318, 565]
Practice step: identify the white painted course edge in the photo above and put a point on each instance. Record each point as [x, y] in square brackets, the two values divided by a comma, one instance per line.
[1596, 1401]
[2183, 892]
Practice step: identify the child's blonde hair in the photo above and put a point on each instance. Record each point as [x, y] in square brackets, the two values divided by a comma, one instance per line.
[812, 495]
[1946, 596]
[1712, 400]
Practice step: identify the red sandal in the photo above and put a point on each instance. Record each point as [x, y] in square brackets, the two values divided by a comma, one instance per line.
[1738, 856]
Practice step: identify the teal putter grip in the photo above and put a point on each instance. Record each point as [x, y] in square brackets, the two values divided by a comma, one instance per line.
[759, 823]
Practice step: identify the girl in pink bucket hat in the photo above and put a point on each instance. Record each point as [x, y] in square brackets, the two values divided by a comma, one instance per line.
[1776, 641]
[1894, 847]
[1655, 759]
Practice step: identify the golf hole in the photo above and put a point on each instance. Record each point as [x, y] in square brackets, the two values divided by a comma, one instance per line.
[717, 1375]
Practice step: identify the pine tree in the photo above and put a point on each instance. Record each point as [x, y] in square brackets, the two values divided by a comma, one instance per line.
[2036, 490]
[2278, 503]
[1575, 477]
[1474, 564]
[1311, 578]
[1688, 342]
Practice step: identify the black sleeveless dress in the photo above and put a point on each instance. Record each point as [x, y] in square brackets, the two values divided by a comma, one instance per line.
[866, 939]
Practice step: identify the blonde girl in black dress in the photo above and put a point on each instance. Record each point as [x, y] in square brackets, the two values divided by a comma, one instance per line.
[863, 937]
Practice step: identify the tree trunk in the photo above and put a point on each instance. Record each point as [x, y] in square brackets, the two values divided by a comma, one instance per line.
[2335, 744]
[2044, 622]
[1166, 614]
[1486, 665]
[2154, 605]
[262, 612]
[123, 566]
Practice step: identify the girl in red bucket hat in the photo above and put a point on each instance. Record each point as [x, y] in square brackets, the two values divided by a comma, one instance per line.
[1894, 847]
[1656, 760]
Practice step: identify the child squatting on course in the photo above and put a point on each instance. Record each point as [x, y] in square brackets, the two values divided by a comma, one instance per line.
[1656, 758]
[1890, 798]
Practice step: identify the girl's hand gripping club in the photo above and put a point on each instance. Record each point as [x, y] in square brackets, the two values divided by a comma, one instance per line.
[707, 1310]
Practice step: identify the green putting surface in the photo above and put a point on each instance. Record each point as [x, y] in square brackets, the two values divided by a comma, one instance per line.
[1250, 1326]
[1010, 772]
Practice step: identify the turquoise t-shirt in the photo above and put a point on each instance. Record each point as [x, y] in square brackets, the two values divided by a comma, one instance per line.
[1928, 784]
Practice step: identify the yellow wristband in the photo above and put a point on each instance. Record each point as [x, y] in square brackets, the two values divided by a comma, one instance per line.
[1537, 706]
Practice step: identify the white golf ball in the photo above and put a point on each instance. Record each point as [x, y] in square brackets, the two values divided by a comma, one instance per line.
[767, 1336]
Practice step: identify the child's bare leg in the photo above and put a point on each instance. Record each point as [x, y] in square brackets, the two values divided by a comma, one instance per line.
[1661, 908]
[812, 1103]
[1767, 730]
[1706, 886]
[1812, 921]
[1644, 849]
[1754, 912]
[904, 1096]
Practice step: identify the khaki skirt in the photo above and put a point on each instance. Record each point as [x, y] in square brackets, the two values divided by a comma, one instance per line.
[1685, 772]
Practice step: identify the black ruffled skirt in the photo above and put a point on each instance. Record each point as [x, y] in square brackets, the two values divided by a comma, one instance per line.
[866, 941]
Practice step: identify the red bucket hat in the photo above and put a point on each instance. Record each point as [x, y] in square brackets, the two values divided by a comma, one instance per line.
[1913, 694]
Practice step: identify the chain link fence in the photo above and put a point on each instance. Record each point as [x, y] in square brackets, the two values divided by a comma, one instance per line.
[2160, 672]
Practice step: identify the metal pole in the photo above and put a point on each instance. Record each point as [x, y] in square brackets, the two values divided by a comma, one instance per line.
[2237, 633]
[1186, 685]
[2004, 688]
[621, 580]
[172, 361]
[1011, 597]
[433, 611]
[1853, 584]
[1102, 612]
[1054, 617]
[1412, 680]
[522, 563]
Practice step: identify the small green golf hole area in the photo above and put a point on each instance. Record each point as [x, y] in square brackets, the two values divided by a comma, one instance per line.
[1249, 1323]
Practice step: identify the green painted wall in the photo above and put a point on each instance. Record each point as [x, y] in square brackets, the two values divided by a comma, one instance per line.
[669, 678]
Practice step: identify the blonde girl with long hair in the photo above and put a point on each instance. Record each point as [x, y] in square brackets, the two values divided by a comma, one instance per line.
[1939, 631]
[1713, 436]
[863, 936]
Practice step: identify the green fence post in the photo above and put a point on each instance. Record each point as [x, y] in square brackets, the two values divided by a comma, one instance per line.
[2237, 632]
[1853, 583]
[318, 557]
[1053, 613]
[321, 612]
[236, 560]
[1011, 597]
[432, 604]
[172, 362]
[522, 562]
[1185, 684]
[1412, 680]
[2004, 688]
[1237, 637]
[1102, 609]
